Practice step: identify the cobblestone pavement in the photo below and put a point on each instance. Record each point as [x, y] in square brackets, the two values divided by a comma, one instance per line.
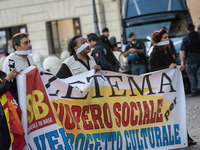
[193, 121]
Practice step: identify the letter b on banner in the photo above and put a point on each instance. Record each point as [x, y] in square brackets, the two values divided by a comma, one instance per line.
[35, 106]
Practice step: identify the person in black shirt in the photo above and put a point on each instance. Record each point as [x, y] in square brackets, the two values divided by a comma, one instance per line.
[102, 54]
[190, 56]
[161, 58]
[106, 41]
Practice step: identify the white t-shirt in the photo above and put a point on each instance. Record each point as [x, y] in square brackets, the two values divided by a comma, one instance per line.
[18, 62]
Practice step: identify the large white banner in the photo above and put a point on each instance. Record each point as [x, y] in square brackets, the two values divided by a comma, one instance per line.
[105, 110]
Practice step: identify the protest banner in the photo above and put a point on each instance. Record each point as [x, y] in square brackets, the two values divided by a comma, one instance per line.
[106, 110]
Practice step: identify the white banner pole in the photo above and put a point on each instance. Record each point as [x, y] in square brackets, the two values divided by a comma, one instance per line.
[21, 88]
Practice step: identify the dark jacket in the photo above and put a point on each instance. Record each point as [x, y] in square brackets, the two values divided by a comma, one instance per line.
[5, 85]
[104, 57]
[191, 46]
[160, 60]
[106, 41]
[4, 132]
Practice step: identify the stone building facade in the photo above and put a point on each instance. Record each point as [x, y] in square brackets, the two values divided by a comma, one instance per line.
[61, 19]
[51, 23]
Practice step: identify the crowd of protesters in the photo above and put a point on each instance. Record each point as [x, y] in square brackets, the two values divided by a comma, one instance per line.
[102, 57]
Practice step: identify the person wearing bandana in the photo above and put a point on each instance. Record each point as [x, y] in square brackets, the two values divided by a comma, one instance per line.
[161, 56]
[135, 51]
[20, 59]
[79, 60]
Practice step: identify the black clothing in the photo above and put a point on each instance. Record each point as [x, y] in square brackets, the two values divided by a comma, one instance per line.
[199, 30]
[137, 45]
[73, 65]
[64, 72]
[11, 86]
[191, 46]
[104, 57]
[5, 85]
[160, 60]
[106, 41]
[5, 140]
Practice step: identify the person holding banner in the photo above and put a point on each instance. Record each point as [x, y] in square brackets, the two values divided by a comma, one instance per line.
[20, 59]
[4, 87]
[79, 61]
[161, 57]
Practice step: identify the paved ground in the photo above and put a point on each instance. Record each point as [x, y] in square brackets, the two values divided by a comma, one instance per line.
[193, 121]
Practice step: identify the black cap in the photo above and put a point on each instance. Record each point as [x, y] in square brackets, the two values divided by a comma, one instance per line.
[190, 25]
[105, 30]
[131, 34]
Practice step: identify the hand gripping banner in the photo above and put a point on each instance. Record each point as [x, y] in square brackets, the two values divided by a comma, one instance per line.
[105, 110]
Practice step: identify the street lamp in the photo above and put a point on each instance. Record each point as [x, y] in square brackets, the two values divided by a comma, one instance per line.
[96, 27]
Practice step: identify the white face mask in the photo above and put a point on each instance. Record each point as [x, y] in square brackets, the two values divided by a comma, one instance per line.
[133, 41]
[163, 43]
[26, 52]
[80, 49]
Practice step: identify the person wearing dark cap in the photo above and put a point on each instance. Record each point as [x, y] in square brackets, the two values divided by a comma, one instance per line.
[135, 51]
[104, 38]
[190, 58]
[161, 58]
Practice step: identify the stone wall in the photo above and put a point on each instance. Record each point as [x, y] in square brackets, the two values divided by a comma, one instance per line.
[35, 14]
[193, 6]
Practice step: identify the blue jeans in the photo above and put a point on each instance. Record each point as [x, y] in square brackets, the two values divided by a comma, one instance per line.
[193, 72]
[138, 69]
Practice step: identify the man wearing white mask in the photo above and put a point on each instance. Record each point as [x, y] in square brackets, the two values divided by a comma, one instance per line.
[135, 51]
[79, 60]
[21, 57]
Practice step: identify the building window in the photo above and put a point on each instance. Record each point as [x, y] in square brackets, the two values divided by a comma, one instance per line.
[6, 34]
[59, 32]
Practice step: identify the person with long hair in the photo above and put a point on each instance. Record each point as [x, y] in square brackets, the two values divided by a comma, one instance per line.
[161, 58]
[79, 60]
